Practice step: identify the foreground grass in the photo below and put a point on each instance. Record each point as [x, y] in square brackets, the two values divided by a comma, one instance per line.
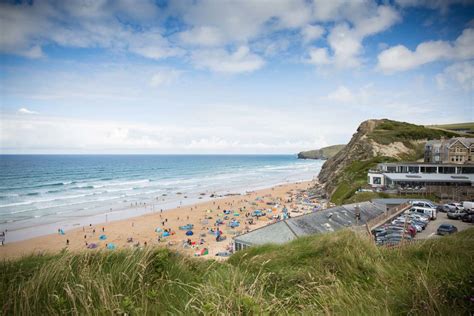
[337, 273]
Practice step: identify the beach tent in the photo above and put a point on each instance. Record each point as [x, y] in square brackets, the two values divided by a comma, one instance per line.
[166, 234]
[236, 214]
[111, 246]
[186, 227]
[92, 246]
[102, 237]
[204, 252]
[61, 231]
[158, 230]
[189, 233]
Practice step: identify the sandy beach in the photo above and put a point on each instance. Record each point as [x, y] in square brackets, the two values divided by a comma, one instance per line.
[148, 230]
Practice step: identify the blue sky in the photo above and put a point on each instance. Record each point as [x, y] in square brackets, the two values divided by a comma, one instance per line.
[274, 76]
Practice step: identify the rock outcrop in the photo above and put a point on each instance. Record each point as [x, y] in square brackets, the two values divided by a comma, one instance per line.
[322, 153]
[375, 139]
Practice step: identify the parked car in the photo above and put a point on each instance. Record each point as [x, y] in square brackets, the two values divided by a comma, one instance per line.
[455, 206]
[456, 214]
[445, 208]
[446, 229]
[468, 217]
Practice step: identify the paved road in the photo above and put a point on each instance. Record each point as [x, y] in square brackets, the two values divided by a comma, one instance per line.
[430, 231]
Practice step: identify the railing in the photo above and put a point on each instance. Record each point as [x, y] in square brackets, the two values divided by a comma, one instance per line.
[387, 215]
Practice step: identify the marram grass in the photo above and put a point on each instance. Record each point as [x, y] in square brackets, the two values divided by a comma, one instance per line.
[339, 273]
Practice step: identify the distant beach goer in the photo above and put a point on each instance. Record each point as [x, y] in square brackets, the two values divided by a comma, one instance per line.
[103, 229]
[85, 236]
[93, 231]
[67, 242]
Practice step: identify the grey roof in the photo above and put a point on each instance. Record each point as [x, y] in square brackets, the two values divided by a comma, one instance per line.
[391, 201]
[430, 177]
[328, 220]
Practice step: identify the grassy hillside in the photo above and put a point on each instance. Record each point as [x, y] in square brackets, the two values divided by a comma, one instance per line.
[385, 132]
[334, 273]
[455, 127]
[389, 131]
[322, 153]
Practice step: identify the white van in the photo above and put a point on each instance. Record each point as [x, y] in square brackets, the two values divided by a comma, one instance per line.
[431, 212]
[468, 206]
[425, 204]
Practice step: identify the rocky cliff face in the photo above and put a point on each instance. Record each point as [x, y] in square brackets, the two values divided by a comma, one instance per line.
[375, 141]
[359, 148]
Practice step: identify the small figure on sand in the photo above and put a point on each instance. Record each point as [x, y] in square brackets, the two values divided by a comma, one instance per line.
[67, 242]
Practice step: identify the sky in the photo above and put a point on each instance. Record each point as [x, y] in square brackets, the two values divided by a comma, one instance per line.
[226, 77]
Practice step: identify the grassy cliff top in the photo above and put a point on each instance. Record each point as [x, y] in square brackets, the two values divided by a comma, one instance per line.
[322, 153]
[334, 273]
[389, 131]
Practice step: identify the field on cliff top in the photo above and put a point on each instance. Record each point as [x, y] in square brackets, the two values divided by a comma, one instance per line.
[324, 274]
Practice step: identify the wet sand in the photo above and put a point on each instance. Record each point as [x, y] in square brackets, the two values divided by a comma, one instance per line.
[143, 229]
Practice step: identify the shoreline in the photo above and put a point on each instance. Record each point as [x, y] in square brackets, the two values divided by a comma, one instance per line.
[147, 206]
[142, 228]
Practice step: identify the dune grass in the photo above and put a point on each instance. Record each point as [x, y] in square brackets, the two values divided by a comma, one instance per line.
[336, 273]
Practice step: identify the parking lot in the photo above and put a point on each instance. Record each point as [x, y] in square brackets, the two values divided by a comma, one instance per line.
[430, 231]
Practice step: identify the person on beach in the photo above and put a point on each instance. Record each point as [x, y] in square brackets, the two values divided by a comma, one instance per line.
[103, 229]
[67, 242]
[85, 236]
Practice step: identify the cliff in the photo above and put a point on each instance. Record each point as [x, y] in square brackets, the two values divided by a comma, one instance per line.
[322, 153]
[375, 141]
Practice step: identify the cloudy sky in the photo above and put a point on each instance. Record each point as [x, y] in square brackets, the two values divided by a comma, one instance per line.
[217, 76]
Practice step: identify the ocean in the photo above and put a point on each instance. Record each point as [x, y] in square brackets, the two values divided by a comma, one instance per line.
[40, 193]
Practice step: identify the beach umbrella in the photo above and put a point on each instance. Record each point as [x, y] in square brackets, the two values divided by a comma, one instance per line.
[166, 234]
[102, 237]
[111, 246]
[189, 233]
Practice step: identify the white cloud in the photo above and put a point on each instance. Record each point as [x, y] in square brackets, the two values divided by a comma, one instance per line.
[319, 56]
[312, 32]
[345, 40]
[341, 94]
[220, 60]
[26, 111]
[458, 74]
[164, 77]
[400, 58]
[203, 35]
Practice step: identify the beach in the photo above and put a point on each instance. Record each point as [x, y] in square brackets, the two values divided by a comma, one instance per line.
[149, 230]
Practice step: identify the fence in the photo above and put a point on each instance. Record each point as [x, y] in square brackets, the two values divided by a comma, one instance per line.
[382, 218]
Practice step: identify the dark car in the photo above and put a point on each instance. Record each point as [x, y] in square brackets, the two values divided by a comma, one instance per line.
[468, 217]
[446, 229]
[443, 208]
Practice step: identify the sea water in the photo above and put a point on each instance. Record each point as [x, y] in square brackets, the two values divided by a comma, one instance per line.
[40, 193]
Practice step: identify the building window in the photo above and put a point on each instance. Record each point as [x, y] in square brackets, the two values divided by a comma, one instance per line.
[377, 180]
